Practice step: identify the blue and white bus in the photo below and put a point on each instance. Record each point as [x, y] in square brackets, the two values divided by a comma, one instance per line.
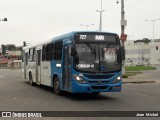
[77, 62]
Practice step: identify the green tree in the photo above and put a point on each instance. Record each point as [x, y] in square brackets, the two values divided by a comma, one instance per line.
[11, 47]
[3, 49]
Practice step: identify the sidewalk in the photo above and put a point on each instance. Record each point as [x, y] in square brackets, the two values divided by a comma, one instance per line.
[150, 76]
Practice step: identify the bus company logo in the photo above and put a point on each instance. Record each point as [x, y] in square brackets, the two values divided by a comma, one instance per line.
[99, 81]
[6, 114]
[99, 37]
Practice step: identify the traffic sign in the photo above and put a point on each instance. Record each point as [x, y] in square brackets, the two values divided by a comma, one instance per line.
[123, 37]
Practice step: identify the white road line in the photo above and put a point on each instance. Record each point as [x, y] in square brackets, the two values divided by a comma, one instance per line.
[1, 76]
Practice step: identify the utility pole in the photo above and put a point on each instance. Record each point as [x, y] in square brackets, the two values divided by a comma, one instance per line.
[123, 35]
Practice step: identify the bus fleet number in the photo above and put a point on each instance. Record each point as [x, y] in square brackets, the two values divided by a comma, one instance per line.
[83, 37]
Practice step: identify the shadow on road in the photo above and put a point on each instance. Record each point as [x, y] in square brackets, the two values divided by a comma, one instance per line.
[76, 96]
[87, 97]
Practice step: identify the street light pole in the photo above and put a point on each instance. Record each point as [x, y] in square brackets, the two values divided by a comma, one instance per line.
[152, 42]
[5, 20]
[100, 21]
[154, 20]
[87, 26]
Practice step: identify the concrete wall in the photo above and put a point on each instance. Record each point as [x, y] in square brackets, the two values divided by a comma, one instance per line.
[142, 53]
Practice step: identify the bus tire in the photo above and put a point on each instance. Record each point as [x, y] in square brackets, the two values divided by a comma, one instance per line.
[57, 86]
[31, 79]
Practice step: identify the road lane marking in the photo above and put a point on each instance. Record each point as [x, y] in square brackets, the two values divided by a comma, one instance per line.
[1, 76]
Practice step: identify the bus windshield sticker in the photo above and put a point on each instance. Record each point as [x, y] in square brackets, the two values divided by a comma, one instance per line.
[85, 66]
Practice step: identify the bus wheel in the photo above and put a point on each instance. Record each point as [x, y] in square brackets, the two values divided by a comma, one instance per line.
[57, 86]
[31, 80]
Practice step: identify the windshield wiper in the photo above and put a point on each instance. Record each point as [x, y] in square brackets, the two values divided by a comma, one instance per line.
[91, 48]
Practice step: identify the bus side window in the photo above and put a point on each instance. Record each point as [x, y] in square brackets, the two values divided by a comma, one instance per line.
[49, 51]
[58, 50]
[44, 53]
[34, 56]
[69, 61]
[31, 56]
[26, 58]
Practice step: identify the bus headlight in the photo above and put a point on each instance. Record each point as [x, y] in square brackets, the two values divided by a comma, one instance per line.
[79, 79]
[118, 79]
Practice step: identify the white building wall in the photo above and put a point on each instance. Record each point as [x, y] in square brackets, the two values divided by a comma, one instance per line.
[155, 53]
[141, 53]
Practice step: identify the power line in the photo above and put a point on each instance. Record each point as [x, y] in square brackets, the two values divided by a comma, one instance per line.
[135, 3]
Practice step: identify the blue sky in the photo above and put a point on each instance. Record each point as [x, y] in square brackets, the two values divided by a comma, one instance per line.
[38, 20]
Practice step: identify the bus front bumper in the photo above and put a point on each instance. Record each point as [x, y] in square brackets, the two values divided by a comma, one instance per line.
[90, 88]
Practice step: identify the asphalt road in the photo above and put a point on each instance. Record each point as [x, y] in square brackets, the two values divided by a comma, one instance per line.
[17, 95]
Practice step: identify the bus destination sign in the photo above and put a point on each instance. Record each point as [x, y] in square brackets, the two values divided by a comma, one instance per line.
[95, 38]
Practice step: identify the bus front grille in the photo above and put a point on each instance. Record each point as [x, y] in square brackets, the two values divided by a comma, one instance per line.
[99, 87]
[97, 82]
[99, 76]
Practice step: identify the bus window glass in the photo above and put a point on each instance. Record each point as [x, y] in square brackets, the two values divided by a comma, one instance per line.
[49, 52]
[108, 53]
[58, 50]
[44, 53]
[101, 57]
[31, 54]
[26, 58]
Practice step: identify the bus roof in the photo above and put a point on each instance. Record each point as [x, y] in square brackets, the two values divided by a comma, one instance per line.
[63, 36]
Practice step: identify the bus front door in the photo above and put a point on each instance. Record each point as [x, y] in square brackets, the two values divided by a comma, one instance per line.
[38, 67]
[67, 67]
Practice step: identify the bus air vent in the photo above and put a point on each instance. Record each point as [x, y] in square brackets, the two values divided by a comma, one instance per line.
[99, 76]
[99, 87]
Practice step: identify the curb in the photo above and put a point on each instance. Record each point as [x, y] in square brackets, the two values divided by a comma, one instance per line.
[138, 82]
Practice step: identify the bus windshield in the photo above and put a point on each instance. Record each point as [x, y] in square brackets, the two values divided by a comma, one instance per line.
[97, 57]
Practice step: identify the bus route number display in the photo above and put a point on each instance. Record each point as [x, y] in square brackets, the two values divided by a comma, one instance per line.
[94, 37]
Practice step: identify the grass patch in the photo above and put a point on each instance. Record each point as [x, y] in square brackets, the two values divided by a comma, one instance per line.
[139, 68]
[127, 74]
[124, 76]
[132, 73]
